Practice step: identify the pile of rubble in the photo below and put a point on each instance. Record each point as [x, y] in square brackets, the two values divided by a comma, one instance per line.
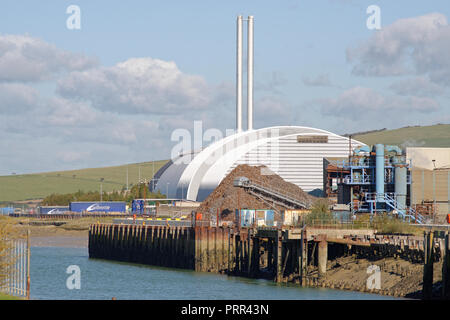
[226, 197]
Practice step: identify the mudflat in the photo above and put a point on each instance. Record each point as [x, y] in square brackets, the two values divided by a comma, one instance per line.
[56, 236]
[59, 241]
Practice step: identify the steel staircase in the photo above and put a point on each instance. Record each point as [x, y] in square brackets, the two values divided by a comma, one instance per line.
[389, 198]
[270, 194]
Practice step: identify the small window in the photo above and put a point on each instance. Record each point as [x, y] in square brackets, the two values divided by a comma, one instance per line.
[312, 139]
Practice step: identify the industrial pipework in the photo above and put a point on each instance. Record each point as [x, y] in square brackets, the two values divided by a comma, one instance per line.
[379, 171]
[239, 75]
[400, 186]
[249, 74]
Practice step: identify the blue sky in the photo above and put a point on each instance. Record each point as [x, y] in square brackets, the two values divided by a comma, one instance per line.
[316, 64]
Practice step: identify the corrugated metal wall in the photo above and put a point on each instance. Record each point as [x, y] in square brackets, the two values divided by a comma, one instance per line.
[298, 163]
[430, 186]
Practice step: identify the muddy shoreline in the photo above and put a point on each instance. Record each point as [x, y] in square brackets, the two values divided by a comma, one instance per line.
[398, 277]
[54, 236]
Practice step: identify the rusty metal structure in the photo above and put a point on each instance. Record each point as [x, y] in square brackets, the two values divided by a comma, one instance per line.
[373, 180]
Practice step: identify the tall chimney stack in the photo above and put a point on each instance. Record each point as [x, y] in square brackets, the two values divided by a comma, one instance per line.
[250, 73]
[239, 75]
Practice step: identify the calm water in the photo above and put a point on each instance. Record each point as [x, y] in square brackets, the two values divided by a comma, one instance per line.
[102, 279]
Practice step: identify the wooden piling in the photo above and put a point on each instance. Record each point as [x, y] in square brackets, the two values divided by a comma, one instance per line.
[427, 290]
[279, 255]
[322, 255]
[446, 268]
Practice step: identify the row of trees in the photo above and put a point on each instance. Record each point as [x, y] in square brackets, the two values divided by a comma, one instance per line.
[7, 232]
[138, 191]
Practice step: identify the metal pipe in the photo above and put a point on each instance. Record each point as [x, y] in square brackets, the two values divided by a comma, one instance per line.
[239, 75]
[400, 186]
[28, 264]
[250, 73]
[379, 162]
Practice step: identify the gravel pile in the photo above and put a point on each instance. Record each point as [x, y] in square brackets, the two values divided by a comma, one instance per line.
[226, 197]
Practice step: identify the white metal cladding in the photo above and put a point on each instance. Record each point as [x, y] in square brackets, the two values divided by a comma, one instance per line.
[168, 181]
[275, 147]
[299, 163]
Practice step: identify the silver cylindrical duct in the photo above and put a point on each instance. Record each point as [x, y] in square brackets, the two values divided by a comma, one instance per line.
[239, 75]
[401, 186]
[250, 73]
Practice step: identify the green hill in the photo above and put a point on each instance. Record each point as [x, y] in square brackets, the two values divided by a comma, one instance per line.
[39, 185]
[437, 136]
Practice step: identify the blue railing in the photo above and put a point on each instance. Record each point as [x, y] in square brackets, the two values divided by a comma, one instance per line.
[389, 199]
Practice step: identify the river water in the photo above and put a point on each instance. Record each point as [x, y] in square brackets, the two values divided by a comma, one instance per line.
[101, 279]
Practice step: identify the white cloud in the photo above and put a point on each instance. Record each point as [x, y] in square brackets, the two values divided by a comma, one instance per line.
[322, 80]
[72, 156]
[16, 98]
[418, 45]
[138, 85]
[272, 85]
[270, 111]
[24, 59]
[365, 103]
[419, 86]
[125, 112]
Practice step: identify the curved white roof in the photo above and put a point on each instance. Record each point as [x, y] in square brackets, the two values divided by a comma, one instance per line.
[277, 148]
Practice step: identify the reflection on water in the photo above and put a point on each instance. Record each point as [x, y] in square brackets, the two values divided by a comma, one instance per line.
[101, 279]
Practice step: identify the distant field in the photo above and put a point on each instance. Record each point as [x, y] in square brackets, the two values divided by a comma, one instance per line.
[39, 185]
[429, 136]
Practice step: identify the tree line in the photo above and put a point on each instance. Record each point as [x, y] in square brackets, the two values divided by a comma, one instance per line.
[138, 191]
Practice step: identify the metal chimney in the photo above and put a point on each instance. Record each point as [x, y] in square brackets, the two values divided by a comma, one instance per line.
[239, 75]
[250, 73]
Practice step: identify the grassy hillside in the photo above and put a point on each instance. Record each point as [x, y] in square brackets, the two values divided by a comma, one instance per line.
[429, 136]
[39, 185]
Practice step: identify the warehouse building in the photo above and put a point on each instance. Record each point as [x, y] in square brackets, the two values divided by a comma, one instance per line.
[431, 180]
[293, 152]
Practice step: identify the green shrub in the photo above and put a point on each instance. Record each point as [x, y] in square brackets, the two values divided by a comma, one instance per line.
[320, 212]
[393, 225]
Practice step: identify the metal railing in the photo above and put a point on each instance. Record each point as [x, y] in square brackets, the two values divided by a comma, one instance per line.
[389, 198]
[366, 179]
[15, 271]
[338, 224]
[154, 222]
[366, 163]
[67, 216]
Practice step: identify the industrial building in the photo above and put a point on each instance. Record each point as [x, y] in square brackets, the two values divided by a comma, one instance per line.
[293, 152]
[414, 184]
[430, 180]
[373, 180]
